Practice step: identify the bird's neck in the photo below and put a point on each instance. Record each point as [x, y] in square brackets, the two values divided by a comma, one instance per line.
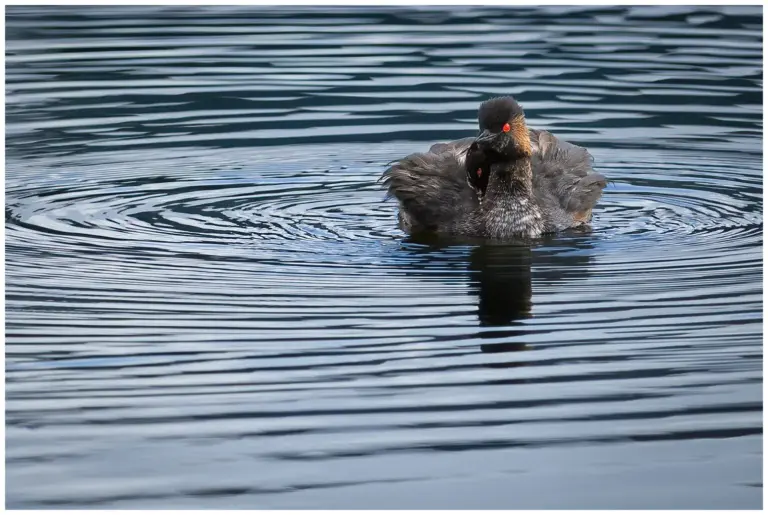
[509, 207]
[511, 179]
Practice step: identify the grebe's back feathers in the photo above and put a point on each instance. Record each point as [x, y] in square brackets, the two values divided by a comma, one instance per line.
[564, 171]
[432, 189]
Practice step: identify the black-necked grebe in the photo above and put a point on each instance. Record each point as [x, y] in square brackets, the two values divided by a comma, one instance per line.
[510, 181]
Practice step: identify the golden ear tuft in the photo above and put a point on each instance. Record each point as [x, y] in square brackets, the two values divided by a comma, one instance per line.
[520, 134]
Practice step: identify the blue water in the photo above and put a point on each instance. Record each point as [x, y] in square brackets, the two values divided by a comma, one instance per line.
[209, 303]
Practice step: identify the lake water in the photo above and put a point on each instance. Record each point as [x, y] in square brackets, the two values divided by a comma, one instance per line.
[209, 303]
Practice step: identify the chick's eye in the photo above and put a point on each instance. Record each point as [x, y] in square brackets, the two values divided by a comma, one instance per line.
[506, 127]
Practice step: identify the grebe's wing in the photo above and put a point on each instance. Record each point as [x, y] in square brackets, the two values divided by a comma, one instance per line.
[565, 170]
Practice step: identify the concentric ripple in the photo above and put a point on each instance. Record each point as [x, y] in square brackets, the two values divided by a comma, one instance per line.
[209, 304]
[176, 209]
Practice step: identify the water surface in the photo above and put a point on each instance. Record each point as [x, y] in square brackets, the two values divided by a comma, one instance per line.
[209, 304]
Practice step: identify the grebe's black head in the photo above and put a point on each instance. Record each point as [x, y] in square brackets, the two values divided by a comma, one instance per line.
[503, 131]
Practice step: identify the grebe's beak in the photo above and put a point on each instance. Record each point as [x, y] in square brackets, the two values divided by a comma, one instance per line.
[485, 137]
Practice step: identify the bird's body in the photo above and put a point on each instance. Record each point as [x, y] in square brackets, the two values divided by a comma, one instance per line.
[458, 188]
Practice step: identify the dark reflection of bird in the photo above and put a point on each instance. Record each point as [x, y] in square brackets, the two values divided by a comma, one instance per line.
[502, 275]
[509, 182]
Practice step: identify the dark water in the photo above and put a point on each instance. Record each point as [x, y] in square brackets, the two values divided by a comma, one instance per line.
[208, 304]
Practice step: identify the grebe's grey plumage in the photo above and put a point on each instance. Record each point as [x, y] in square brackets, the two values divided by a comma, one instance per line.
[511, 181]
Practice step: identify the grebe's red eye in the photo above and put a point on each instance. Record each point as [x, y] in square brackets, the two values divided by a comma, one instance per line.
[506, 127]
[479, 172]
